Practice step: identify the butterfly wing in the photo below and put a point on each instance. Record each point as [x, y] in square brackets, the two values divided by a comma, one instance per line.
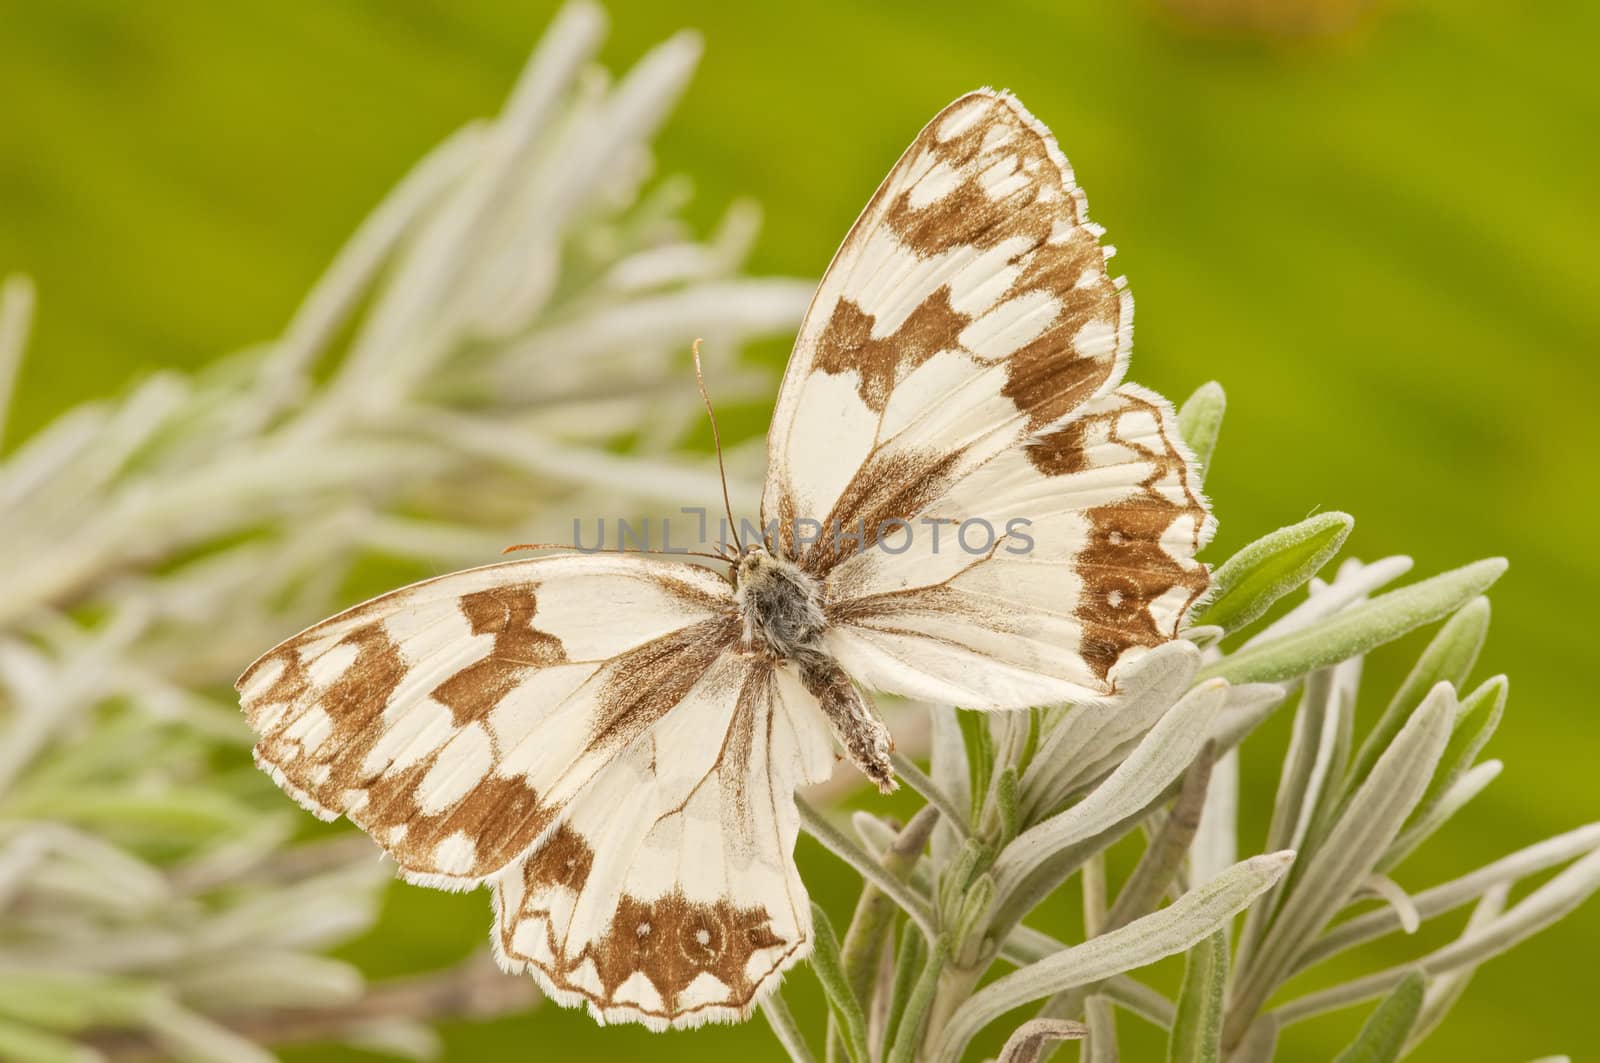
[1099, 567]
[456, 719]
[956, 373]
[669, 894]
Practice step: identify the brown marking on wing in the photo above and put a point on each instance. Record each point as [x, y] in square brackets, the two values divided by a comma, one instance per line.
[847, 345]
[519, 650]
[501, 815]
[671, 939]
[1046, 378]
[352, 702]
[892, 486]
[1124, 567]
[644, 684]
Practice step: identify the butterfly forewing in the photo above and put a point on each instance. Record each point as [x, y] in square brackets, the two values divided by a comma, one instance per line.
[955, 379]
[969, 305]
[454, 719]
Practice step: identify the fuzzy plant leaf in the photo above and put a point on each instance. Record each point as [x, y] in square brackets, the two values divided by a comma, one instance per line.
[1196, 1035]
[1332, 874]
[1383, 1037]
[776, 1011]
[1358, 629]
[1448, 658]
[1448, 896]
[1169, 748]
[1200, 422]
[1189, 919]
[908, 1032]
[843, 1003]
[1028, 1042]
[22, 1043]
[1246, 585]
[911, 954]
[1479, 718]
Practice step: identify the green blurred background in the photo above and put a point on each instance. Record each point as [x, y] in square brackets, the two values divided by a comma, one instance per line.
[1380, 240]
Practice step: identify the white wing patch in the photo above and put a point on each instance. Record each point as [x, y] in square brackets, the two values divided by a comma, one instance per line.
[669, 895]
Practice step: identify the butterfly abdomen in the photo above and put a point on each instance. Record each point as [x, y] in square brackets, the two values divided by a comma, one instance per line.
[864, 737]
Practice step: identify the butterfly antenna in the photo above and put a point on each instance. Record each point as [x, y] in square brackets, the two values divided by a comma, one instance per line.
[716, 439]
[610, 550]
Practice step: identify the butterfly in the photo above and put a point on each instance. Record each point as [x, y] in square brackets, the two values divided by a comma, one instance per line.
[612, 743]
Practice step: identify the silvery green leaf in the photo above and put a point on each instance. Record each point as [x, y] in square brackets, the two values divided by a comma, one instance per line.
[776, 1011]
[1216, 844]
[1352, 584]
[1544, 906]
[978, 737]
[1387, 890]
[1163, 754]
[1453, 894]
[1448, 659]
[843, 1005]
[873, 920]
[1101, 1045]
[1196, 1035]
[16, 318]
[971, 918]
[189, 1037]
[1429, 820]
[26, 1044]
[908, 1034]
[875, 834]
[1383, 1037]
[264, 979]
[1136, 997]
[1162, 862]
[1246, 585]
[1173, 929]
[951, 776]
[397, 1038]
[1200, 422]
[1028, 1041]
[1303, 784]
[1260, 1043]
[913, 776]
[71, 1001]
[1444, 991]
[1093, 731]
[1246, 707]
[1368, 824]
[1480, 715]
[910, 955]
[1358, 629]
[867, 866]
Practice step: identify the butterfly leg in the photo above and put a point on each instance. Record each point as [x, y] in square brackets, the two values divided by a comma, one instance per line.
[864, 737]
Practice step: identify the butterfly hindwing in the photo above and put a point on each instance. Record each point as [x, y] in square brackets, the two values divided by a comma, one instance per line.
[669, 893]
[1100, 566]
[453, 720]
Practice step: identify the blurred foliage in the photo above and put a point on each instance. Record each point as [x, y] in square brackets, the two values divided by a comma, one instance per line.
[1380, 241]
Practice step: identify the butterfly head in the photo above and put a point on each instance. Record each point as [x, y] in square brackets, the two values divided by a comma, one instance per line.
[752, 561]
